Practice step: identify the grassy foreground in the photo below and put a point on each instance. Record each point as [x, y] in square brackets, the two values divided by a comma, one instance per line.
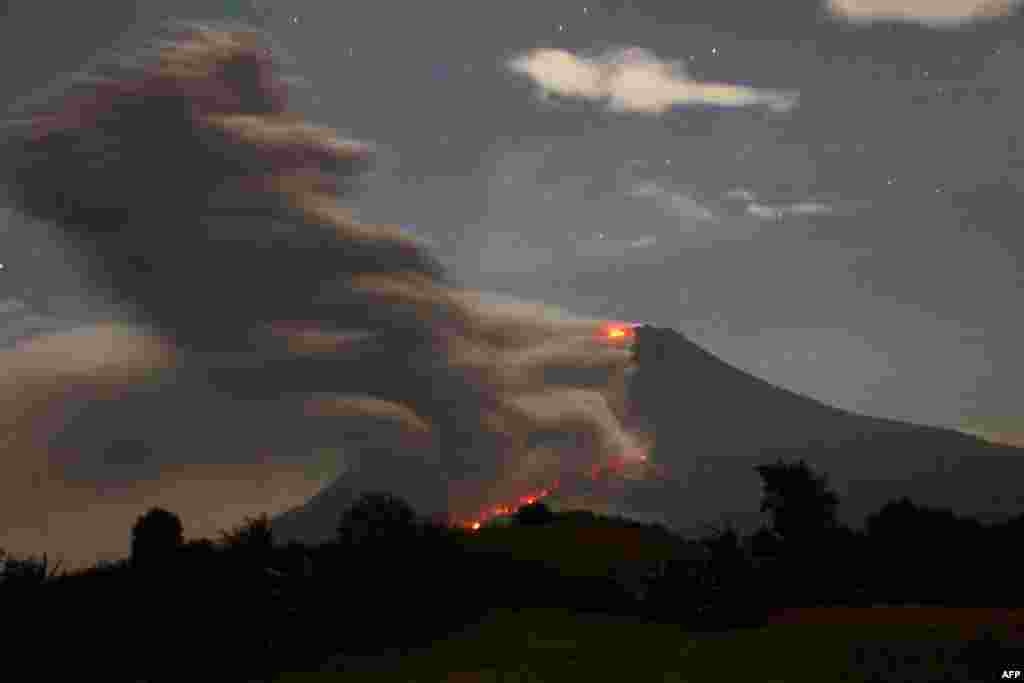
[556, 646]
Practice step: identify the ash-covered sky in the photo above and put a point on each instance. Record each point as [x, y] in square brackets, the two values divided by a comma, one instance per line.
[824, 194]
[177, 171]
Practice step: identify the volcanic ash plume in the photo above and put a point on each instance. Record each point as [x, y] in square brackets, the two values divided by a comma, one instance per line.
[208, 206]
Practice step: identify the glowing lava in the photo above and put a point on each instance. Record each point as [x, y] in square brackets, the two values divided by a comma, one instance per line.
[617, 332]
[609, 468]
[501, 510]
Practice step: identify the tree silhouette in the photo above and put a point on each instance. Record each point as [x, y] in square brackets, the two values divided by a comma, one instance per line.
[803, 519]
[802, 507]
[534, 514]
[727, 554]
[252, 538]
[901, 522]
[375, 519]
[156, 536]
[910, 541]
[17, 572]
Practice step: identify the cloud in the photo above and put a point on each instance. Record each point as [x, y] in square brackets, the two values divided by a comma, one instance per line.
[740, 193]
[780, 209]
[777, 212]
[808, 208]
[602, 247]
[232, 247]
[765, 212]
[362, 406]
[935, 13]
[635, 80]
[673, 203]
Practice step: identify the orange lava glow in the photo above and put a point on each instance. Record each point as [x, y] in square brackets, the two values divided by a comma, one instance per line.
[609, 468]
[617, 332]
[501, 510]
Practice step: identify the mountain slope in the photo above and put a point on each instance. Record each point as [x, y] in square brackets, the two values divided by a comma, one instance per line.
[713, 423]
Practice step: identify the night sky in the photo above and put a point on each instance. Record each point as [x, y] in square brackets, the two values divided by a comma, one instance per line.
[824, 196]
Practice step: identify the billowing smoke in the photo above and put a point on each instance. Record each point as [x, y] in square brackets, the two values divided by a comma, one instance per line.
[205, 203]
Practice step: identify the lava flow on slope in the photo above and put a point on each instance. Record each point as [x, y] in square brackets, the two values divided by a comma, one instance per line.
[614, 467]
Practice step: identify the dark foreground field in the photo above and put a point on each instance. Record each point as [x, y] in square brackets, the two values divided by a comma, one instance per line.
[541, 596]
[819, 645]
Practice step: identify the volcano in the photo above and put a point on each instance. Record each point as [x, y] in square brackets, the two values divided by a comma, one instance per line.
[713, 423]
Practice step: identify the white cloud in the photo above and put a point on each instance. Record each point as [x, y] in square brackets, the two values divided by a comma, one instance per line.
[740, 193]
[935, 13]
[635, 80]
[767, 212]
[807, 208]
[604, 248]
[781, 208]
[672, 202]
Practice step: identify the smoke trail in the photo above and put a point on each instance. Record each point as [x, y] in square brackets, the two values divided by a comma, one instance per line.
[206, 204]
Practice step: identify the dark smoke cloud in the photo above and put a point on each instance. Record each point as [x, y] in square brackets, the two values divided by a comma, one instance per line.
[204, 202]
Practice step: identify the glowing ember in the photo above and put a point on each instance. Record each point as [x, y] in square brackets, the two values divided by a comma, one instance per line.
[612, 466]
[501, 510]
[617, 332]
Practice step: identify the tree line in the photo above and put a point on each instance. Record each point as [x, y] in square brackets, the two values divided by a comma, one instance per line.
[391, 579]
